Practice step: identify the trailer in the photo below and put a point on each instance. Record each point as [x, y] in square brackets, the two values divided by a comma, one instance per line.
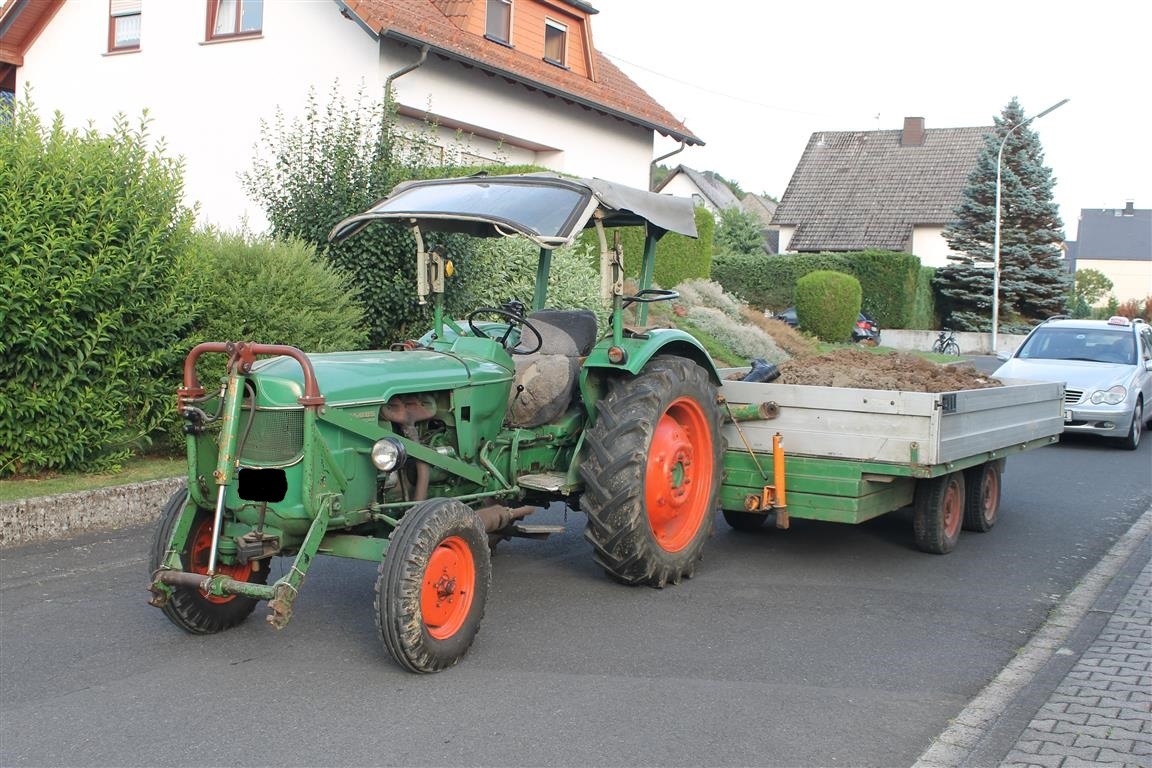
[848, 455]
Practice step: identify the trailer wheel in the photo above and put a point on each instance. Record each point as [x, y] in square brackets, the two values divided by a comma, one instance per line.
[191, 609]
[982, 497]
[938, 512]
[432, 586]
[745, 521]
[652, 473]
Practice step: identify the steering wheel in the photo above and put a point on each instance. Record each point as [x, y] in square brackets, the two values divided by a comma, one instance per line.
[513, 320]
[649, 295]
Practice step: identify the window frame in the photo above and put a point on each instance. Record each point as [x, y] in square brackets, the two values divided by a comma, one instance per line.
[128, 9]
[510, 9]
[562, 28]
[213, 14]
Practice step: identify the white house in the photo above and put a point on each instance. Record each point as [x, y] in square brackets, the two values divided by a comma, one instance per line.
[520, 79]
[892, 190]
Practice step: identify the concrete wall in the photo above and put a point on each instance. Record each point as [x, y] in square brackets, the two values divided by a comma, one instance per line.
[970, 343]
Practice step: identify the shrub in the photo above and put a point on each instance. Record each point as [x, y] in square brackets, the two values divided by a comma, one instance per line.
[888, 279]
[500, 269]
[698, 292]
[827, 304]
[336, 161]
[923, 315]
[1134, 308]
[745, 340]
[273, 292]
[678, 258]
[94, 237]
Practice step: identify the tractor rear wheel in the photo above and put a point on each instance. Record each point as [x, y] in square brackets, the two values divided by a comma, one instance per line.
[192, 609]
[432, 586]
[652, 473]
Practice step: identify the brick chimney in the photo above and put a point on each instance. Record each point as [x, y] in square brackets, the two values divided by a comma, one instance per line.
[913, 135]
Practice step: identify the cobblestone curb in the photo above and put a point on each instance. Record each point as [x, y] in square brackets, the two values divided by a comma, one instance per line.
[953, 746]
[55, 517]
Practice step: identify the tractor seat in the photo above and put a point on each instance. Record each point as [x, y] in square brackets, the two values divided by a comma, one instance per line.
[546, 379]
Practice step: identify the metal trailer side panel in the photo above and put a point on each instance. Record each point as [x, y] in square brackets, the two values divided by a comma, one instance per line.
[897, 427]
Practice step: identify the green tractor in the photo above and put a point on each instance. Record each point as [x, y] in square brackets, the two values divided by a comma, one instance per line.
[423, 456]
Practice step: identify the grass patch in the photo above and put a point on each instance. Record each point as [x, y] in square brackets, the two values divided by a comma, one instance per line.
[137, 470]
[722, 355]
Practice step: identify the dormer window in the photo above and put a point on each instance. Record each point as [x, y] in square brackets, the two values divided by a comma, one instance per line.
[555, 43]
[498, 25]
[124, 25]
[235, 18]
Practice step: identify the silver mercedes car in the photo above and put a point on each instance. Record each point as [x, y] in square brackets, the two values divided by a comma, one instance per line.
[1106, 367]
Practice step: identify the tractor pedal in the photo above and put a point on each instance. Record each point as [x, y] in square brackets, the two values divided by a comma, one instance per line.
[533, 531]
[551, 482]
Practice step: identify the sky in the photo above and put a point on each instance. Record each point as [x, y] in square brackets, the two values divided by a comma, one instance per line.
[754, 79]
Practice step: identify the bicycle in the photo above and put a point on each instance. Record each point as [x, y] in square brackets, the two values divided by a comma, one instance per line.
[946, 343]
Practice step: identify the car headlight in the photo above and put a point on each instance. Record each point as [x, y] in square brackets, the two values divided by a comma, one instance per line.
[1111, 396]
[387, 454]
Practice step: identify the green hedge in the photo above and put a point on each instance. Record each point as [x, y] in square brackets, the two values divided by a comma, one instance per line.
[94, 299]
[678, 258]
[888, 279]
[827, 304]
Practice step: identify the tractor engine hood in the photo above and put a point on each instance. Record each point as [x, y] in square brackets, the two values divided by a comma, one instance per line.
[348, 378]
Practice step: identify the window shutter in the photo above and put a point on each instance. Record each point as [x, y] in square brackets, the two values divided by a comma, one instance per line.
[124, 7]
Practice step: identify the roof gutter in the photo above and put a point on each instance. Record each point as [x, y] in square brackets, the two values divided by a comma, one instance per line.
[405, 70]
[665, 130]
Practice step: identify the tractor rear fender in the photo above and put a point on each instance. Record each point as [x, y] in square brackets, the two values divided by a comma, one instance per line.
[638, 350]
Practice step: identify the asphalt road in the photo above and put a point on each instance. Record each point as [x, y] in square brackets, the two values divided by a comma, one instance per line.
[821, 645]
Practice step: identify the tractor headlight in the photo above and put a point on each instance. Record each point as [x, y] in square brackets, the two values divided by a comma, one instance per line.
[387, 454]
[1111, 396]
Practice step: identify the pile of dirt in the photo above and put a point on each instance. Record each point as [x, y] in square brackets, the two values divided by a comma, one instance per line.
[856, 368]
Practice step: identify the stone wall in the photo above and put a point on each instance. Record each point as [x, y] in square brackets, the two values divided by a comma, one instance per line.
[68, 514]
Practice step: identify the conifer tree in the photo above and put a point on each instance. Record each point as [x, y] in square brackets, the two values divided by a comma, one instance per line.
[1034, 283]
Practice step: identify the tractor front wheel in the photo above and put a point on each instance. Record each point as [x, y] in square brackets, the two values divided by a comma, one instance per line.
[652, 473]
[194, 610]
[432, 586]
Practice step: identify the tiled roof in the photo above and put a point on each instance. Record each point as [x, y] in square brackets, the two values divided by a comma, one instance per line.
[420, 22]
[760, 207]
[862, 189]
[717, 193]
[1115, 234]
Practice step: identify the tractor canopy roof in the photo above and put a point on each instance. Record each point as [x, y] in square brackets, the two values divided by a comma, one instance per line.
[550, 210]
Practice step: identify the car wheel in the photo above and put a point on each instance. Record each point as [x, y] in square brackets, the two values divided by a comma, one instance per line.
[1131, 441]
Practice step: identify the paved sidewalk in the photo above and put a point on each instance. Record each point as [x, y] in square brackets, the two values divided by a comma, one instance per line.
[1080, 692]
[1101, 713]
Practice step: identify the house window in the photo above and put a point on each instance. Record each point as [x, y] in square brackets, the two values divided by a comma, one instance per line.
[124, 25]
[235, 18]
[555, 42]
[498, 25]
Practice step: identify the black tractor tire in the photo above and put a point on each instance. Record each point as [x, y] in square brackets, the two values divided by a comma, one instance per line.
[433, 585]
[938, 512]
[652, 473]
[982, 486]
[191, 609]
[745, 521]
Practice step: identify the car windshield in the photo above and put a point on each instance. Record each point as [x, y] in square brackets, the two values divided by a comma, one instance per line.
[1097, 345]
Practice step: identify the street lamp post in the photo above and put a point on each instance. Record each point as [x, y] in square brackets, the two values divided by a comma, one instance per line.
[996, 235]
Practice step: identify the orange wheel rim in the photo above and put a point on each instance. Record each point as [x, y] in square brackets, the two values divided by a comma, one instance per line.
[678, 479]
[448, 587]
[953, 509]
[990, 496]
[199, 553]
